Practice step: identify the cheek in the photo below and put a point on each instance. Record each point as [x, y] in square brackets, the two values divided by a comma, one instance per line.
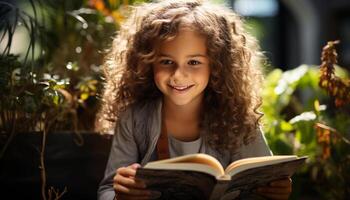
[204, 76]
[159, 76]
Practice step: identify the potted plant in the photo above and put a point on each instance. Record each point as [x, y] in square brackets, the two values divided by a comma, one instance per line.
[49, 82]
[307, 112]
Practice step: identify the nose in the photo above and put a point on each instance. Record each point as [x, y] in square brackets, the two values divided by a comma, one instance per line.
[180, 72]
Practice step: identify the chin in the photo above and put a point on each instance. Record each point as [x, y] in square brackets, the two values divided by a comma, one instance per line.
[185, 101]
[181, 102]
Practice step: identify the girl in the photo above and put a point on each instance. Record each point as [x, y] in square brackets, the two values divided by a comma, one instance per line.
[188, 70]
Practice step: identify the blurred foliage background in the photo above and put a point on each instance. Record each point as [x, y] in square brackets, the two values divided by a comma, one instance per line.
[300, 118]
[50, 78]
[51, 57]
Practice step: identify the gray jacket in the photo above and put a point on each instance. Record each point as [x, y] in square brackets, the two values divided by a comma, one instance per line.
[135, 141]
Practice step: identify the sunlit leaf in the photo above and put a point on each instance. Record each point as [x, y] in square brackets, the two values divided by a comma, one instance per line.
[56, 98]
[84, 96]
[286, 127]
[305, 116]
[84, 88]
[289, 79]
[117, 16]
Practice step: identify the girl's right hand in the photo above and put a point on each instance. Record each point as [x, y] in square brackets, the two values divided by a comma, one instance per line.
[127, 187]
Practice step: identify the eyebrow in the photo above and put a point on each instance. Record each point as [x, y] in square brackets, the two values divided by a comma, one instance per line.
[192, 55]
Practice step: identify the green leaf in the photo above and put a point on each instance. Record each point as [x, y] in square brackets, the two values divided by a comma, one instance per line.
[56, 98]
[282, 146]
[305, 132]
[286, 127]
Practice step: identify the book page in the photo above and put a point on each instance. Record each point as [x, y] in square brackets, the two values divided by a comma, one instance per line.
[195, 167]
[202, 162]
[248, 163]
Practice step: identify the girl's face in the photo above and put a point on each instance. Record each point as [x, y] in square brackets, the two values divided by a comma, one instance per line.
[181, 70]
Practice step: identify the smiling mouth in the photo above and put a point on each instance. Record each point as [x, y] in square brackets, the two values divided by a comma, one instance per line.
[181, 88]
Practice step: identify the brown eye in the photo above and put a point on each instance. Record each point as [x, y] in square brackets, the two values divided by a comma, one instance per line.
[194, 62]
[166, 62]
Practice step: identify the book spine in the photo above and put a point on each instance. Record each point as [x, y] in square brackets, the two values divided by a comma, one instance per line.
[219, 189]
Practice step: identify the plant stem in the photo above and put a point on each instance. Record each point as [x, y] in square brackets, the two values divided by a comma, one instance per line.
[42, 164]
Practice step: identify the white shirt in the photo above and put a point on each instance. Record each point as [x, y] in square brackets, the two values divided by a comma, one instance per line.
[180, 148]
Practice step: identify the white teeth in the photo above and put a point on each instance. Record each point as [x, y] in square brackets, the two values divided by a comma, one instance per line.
[180, 87]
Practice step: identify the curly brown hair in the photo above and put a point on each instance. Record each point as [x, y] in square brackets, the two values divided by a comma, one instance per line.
[232, 95]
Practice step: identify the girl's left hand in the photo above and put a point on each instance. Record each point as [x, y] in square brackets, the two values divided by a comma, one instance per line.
[280, 189]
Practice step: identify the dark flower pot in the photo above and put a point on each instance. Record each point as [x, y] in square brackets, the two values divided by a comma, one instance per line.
[79, 168]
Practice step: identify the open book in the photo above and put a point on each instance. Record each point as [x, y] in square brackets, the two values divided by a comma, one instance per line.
[201, 176]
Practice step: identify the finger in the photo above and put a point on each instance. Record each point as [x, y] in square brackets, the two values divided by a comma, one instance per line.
[275, 190]
[135, 166]
[125, 171]
[275, 196]
[129, 182]
[282, 183]
[120, 189]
